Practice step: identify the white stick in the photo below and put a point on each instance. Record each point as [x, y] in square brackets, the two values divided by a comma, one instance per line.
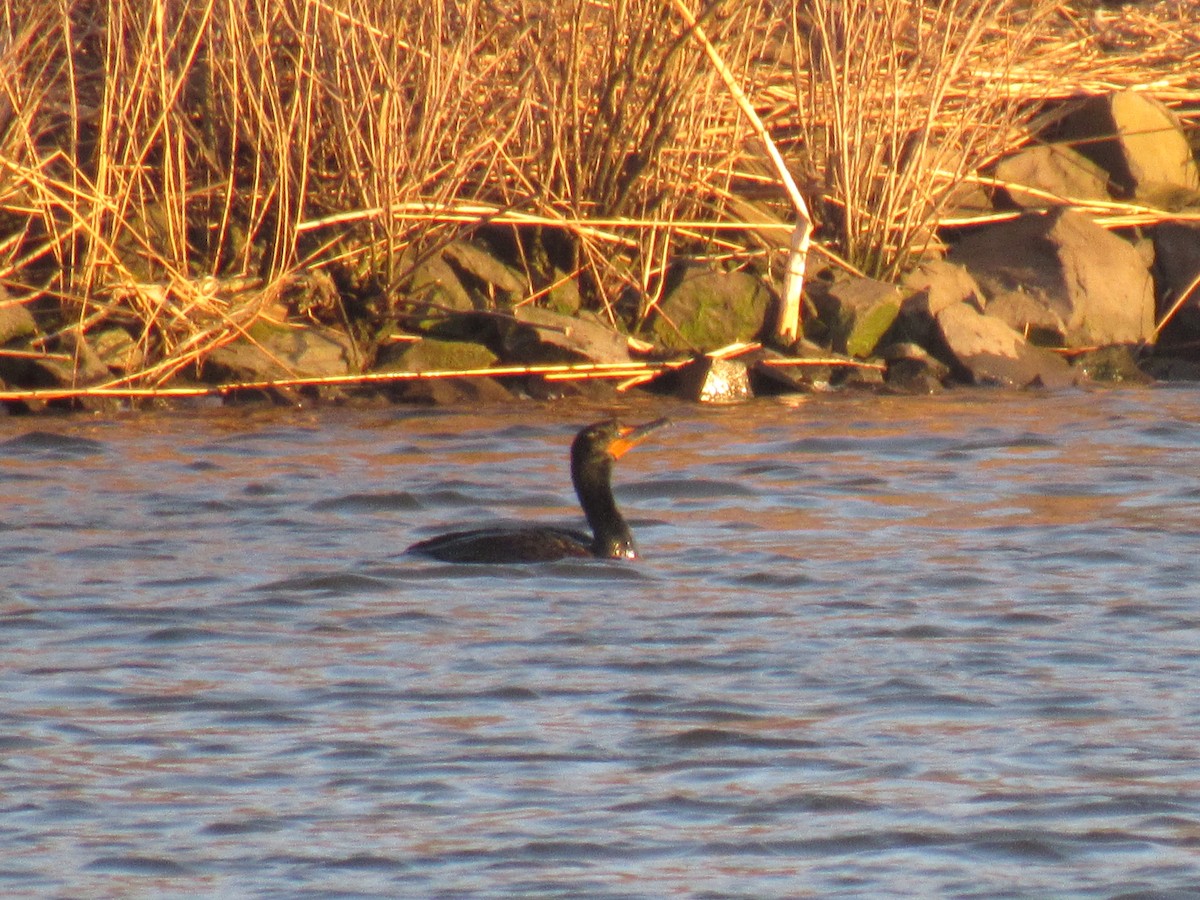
[787, 329]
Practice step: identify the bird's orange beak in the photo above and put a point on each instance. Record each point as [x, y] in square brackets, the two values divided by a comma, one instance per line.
[632, 435]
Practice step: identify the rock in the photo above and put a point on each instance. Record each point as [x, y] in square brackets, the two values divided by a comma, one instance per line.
[1140, 143]
[1176, 266]
[476, 262]
[1060, 274]
[563, 294]
[1115, 363]
[710, 380]
[1053, 169]
[450, 391]
[864, 376]
[990, 352]
[1029, 314]
[931, 287]
[596, 390]
[274, 352]
[143, 225]
[85, 366]
[15, 320]
[432, 355]
[83, 369]
[118, 350]
[967, 199]
[434, 280]
[462, 278]
[938, 283]
[705, 310]
[912, 369]
[546, 336]
[1170, 368]
[856, 313]
[775, 379]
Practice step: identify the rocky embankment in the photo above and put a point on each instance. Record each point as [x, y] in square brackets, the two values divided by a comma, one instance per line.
[1082, 265]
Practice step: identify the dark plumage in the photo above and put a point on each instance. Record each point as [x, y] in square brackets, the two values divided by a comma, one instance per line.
[593, 452]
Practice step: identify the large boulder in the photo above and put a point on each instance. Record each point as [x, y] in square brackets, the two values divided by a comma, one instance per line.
[1063, 277]
[1045, 174]
[987, 351]
[705, 310]
[934, 285]
[274, 352]
[1140, 143]
[543, 335]
[856, 313]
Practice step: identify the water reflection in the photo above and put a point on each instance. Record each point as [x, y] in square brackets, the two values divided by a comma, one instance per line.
[878, 646]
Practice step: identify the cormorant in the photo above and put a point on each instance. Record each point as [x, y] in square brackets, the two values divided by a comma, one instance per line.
[593, 452]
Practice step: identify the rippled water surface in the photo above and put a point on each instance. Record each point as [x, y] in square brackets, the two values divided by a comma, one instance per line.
[943, 647]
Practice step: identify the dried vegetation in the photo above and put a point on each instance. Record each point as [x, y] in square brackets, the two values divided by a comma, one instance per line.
[170, 168]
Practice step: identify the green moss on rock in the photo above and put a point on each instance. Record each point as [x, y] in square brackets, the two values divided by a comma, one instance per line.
[706, 310]
[432, 355]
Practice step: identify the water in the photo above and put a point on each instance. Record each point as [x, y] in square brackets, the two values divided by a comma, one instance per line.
[877, 647]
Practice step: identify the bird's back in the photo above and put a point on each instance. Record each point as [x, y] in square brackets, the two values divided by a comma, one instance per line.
[501, 544]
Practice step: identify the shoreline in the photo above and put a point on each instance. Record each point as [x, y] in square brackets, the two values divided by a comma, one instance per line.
[565, 206]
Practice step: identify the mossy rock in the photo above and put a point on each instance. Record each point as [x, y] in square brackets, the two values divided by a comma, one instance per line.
[870, 327]
[432, 355]
[564, 296]
[705, 310]
[856, 313]
[1115, 363]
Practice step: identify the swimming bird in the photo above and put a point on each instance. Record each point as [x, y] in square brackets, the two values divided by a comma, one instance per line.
[593, 452]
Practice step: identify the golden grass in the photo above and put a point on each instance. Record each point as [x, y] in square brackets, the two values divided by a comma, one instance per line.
[166, 166]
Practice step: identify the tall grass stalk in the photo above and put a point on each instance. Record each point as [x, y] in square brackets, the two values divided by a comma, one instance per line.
[898, 101]
[153, 150]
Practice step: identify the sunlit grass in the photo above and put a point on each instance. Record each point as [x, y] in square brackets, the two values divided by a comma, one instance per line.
[165, 167]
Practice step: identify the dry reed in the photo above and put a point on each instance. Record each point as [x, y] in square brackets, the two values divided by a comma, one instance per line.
[168, 166]
[897, 103]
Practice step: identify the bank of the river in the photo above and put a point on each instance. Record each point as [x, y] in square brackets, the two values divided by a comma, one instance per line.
[968, 228]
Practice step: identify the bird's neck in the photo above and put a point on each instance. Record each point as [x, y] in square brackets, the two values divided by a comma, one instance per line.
[610, 533]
